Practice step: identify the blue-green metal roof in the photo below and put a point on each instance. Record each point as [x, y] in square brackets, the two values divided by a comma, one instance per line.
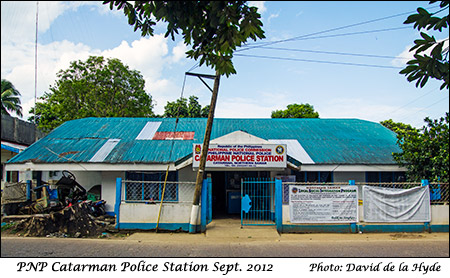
[327, 141]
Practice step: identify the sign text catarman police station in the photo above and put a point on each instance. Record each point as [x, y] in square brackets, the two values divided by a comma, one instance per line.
[242, 156]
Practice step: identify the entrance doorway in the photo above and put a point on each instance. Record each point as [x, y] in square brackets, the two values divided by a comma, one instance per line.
[226, 191]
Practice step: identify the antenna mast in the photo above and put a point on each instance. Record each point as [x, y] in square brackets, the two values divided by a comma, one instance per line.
[35, 62]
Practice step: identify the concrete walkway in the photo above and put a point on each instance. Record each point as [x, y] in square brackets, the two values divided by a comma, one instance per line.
[229, 230]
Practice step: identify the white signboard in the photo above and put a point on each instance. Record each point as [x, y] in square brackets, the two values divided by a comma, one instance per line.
[396, 205]
[323, 204]
[242, 156]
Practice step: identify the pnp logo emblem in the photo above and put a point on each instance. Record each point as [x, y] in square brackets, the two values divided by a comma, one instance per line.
[198, 149]
[279, 149]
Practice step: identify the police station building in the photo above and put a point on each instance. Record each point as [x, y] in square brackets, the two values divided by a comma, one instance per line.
[129, 158]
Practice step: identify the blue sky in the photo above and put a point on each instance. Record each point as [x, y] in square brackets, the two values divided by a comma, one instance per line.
[315, 58]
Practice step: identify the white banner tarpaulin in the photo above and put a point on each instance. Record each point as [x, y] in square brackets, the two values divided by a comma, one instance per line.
[242, 156]
[323, 204]
[396, 205]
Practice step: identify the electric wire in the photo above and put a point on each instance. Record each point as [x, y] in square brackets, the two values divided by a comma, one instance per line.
[251, 46]
[333, 53]
[429, 92]
[317, 61]
[336, 35]
[434, 103]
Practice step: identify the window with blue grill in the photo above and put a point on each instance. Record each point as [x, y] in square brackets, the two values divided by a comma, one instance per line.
[381, 177]
[148, 186]
[321, 176]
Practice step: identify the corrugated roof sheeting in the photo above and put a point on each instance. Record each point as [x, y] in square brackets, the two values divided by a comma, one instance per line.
[105, 150]
[148, 131]
[326, 141]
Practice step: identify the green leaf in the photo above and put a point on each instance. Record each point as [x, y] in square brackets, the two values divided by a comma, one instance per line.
[422, 11]
[412, 18]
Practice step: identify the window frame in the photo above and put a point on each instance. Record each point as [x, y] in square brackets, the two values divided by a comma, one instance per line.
[148, 184]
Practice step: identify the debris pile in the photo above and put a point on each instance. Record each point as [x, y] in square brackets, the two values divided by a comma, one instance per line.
[73, 221]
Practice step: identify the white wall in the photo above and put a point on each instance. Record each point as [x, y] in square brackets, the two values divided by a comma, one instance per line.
[88, 179]
[171, 212]
[109, 188]
[439, 214]
[148, 213]
[187, 174]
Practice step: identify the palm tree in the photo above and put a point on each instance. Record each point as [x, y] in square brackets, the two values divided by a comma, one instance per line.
[10, 99]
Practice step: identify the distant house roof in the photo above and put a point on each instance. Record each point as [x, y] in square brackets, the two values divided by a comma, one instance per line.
[155, 140]
[13, 147]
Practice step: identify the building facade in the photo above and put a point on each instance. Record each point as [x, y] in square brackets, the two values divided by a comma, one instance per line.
[98, 151]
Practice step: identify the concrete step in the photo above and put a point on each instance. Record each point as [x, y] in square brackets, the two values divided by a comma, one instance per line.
[230, 229]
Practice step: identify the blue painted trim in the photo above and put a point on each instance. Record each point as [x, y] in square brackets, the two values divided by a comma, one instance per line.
[29, 190]
[279, 205]
[344, 228]
[427, 224]
[204, 206]
[11, 149]
[118, 201]
[353, 227]
[209, 218]
[193, 228]
[439, 228]
[150, 226]
[400, 228]
[111, 213]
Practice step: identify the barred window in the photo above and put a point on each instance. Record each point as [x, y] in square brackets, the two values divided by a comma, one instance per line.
[385, 177]
[148, 186]
[314, 176]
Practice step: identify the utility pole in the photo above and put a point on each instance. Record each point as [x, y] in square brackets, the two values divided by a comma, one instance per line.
[204, 154]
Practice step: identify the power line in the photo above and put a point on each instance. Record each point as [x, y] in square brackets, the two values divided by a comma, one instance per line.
[332, 53]
[251, 46]
[317, 61]
[262, 45]
[439, 101]
[429, 92]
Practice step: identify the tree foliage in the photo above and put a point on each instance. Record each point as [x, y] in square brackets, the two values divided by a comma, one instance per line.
[10, 99]
[425, 151]
[296, 111]
[182, 109]
[213, 28]
[399, 128]
[94, 88]
[435, 65]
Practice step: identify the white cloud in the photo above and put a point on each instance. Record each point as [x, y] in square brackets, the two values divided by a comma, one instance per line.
[147, 55]
[406, 55]
[18, 65]
[179, 52]
[403, 57]
[18, 18]
[259, 4]
[150, 56]
[273, 16]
